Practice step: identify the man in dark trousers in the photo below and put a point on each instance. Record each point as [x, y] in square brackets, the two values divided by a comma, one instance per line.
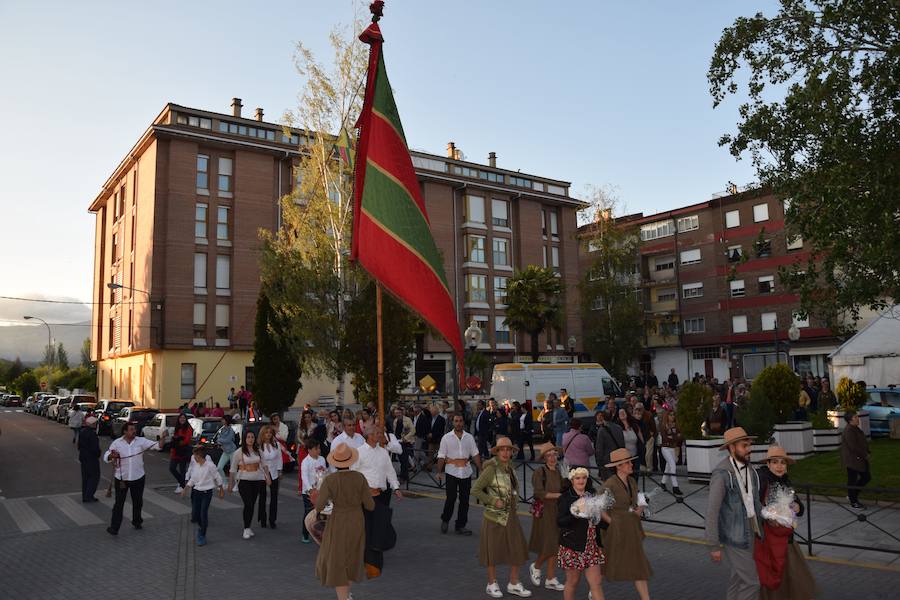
[89, 457]
[673, 379]
[434, 435]
[609, 437]
[483, 428]
[855, 458]
[422, 426]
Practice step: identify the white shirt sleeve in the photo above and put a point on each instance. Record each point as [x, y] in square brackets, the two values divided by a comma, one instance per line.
[113, 446]
[391, 474]
[442, 449]
[393, 444]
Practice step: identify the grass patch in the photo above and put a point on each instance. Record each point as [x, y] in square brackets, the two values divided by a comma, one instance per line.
[826, 468]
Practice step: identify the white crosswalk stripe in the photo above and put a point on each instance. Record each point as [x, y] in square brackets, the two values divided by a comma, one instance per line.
[27, 520]
[173, 506]
[75, 511]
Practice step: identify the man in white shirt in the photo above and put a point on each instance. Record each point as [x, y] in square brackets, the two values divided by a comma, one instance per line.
[457, 449]
[375, 464]
[349, 436]
[127, 453]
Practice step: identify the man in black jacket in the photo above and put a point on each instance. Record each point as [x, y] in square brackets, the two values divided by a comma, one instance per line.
[89, 456]
[483, 425]
[673, 380]
[422, 426]
[609, 437]
[435, 434]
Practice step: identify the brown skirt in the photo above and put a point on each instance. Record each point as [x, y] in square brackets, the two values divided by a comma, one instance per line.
[797, 582]
[502, 545]
[624, 548]
[544, 532]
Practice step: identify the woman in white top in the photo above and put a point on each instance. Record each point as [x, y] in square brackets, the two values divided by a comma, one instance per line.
[270, 451]
[252, 475]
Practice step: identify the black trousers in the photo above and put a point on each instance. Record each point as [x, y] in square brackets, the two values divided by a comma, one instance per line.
[273, 503]
[457, 487]
[90, 478]
[859, 478]
[137, 501]
[482, 444]
[521, 440]
[250, 491]
[404, 460]
[178, 469]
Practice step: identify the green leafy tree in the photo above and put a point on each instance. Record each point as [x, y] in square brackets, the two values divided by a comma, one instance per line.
[773, 398]
[694, 401]
[14, 370]
[851, 395]
[534, 303]
[26, 384]
[611, 310]
[276, 368]
[62, 357]
[822, 127]
[49, 356]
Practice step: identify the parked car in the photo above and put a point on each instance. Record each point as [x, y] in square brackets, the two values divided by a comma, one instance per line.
[13, 400]
[159, 422]
[42, 405]
[204, 427]
[883, 406]
[53, 408]
[106, 411]
[62, 414]
[3, 398]
[139, 415]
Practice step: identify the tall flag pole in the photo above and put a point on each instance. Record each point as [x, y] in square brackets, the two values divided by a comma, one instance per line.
[392, 237]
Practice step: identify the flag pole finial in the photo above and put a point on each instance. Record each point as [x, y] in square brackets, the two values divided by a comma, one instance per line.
[376, 8]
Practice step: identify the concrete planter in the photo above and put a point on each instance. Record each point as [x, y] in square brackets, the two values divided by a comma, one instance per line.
[796, 437]
[826, 440]
[837, 419]
[758, 452]
[702, 456]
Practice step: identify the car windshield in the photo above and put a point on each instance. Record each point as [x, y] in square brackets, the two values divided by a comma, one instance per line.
[87, 405]
[142, 414]
[211, 426]
[889, 398]
[117, 406]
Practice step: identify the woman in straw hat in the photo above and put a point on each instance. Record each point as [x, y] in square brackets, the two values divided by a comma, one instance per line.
[547, 483]
[340, 559]
[580, 548]
[623, 541]
[789, 578]
[502, 541]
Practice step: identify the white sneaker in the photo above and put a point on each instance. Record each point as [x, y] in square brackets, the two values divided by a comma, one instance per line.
[535, 574]
[493, 590]
[518, 590]
[590, 596]
[178, 489]
[554, 584]
[235, 488]
[251, 532]
[247, 534]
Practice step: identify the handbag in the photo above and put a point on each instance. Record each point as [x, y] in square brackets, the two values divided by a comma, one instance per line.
[537, 505]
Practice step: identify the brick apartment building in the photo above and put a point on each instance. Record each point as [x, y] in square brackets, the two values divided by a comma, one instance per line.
[709, 286]
[176, 252]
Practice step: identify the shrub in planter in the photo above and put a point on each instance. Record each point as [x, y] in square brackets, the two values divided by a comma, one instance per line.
[850, 395]
[820, 420]
[773, 398]
[694, 401]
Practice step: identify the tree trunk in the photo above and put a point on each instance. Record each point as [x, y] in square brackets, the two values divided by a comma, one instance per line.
[535, 346]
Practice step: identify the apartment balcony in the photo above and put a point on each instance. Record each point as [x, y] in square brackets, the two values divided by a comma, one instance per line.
[657, 340]
[667, 306]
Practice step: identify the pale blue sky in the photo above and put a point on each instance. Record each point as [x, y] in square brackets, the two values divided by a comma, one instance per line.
[590, 92]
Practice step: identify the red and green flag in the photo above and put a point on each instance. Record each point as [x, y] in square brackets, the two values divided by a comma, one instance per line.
[392, 236]
[343, 148]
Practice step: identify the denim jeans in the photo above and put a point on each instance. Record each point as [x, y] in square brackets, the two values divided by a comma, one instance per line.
[224, 460]
[200, 508]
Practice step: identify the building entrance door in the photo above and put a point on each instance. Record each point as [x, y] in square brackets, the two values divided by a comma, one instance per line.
[708, 369]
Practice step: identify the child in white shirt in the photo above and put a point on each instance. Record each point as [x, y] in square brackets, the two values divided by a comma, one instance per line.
[312, 470]
[203, 478]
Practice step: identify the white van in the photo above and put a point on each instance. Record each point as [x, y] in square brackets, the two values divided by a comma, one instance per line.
[587, 383]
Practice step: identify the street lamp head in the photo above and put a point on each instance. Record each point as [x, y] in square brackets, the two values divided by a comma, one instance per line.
[27, 318]
[114, 286]
[571, 343]
[473, 335]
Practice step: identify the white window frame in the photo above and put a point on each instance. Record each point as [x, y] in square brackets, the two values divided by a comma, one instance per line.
[200, 273]
[730, 251]
[475, 209]
[202, 189]
[554, 257]
[692, 290]
[691, 257]
[199, 321]
[697, 325]
[499, 328]
[500, 298]
[223, 275]
[223, 241]
[499, 207]
[475, 244]
[554, 223]
[223, 321]
[739, 324]
[201, 206]
[495, 251]
[795, 244]
[659, 229]
[768, 321]
[689, 223]
[226, 175]
[766, 279]
[472, 277]
[737, 288]
[671, 292]
[732, 219]
[663, 260]
[760, 212]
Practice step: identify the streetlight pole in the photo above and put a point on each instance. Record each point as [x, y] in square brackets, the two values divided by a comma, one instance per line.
[49, 346]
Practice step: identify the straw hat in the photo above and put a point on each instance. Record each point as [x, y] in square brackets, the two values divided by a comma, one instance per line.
[734, 435]
[548, 449]
[777, 452]
[342, 456]
[502, 442]
[617, 457]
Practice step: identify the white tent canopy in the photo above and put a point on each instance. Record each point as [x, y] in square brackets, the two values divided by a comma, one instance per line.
[873, 354]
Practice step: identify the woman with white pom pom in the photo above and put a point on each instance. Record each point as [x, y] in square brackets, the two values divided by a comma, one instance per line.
[580, 548]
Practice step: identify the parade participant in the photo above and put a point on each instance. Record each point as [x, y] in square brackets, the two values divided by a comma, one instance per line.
[225, 438]
[281, 429]
[715, 418]
[855, 458]
[340, 559]
[671, 439]
[252, 476]
[457, 449]
[546, 419]
[89, 457]
[579, 542]
[127, 455]
[270, 453]
[313, 469]
[789, 577]
[374, 463]
[349, 435]
[502, 541]
[649, 431]
[546, 481]
[333, 427]
[623, 541]
[732, 517]
[180, 453]
[204, 478]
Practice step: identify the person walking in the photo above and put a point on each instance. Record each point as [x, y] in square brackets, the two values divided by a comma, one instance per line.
[623, 541]
[526, 431]
[225, 438]
[270, 454]
[127, 456]
[340, 559]
[456, 452]
[560, 420]
[349, 435]
[76, 418]
[435, 434]
[577, 446]
[609, 437]
[502, 541]
[402, 428]
[204, 479]
[649, 431]
[580, 548]
[732, 516]
[546, 420]
[671, 439]
[374, 463]
[855, 458]
[547, 483]
[313, 469]
[180, 453]
[252, 476]
[483, 424]
[783, 571]
[631, 433]
[89, 457]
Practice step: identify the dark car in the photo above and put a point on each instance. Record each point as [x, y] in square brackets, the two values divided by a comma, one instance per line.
[883, 406]
[106, 411]
[13, 401]
[139, 415]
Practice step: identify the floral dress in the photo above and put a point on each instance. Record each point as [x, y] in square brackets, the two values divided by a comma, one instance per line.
[569, 559]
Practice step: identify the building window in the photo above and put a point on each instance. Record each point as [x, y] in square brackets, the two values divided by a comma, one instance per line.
[199, 272]
[501, 252]
[554, 225]
[735, 253]
[225, 173]
[767, 284]
[519, 181]
[688, 223]
[476, 288]
[200, 218]
[739, 324]
[199, 324]
[799, 321]
[795, 243]
[690, 257]
[705, 353]
[482, 322]
[500, 290]
[202, 172]
[475, 248]
[115, 247]
[695, 325]
[668, 328]
[501, 331]
[657, 230]
[222, 320]
[666, 295]
[554, 258]
[768, 321]
[664, 263]
[500, 213]
[222, 233]
[188, 380]
[760, 213]
[692, 290]
[737, 288]
[474, 209]
[544, 256]
[223, 275]
[763, 248]
[490, 176]
[732, 219]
